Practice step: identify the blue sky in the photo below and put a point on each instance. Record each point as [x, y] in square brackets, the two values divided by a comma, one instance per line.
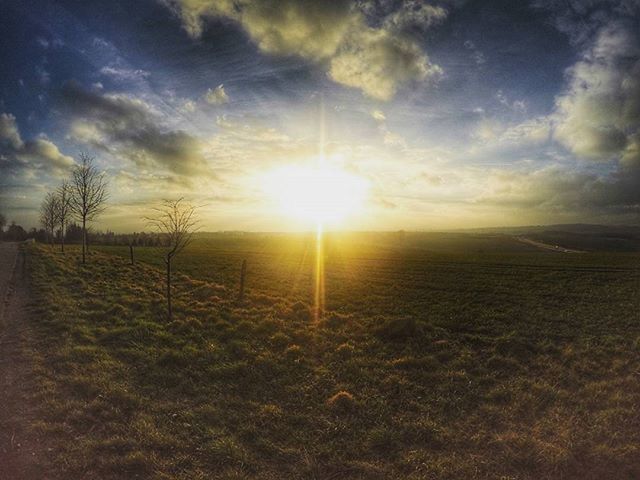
[455, 113]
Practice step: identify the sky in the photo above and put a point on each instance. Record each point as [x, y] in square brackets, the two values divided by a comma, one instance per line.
[455, 114]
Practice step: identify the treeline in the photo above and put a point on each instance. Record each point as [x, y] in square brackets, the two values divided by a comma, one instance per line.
[73, 235]
[16, 233]
[136, 239]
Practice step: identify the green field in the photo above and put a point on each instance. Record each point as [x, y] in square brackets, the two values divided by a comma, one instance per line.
[439, 356]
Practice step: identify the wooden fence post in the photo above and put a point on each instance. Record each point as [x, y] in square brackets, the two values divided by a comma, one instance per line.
[243, 274]
[131, 253]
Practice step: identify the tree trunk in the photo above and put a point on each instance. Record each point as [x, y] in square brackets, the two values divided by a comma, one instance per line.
[84, 238]
[131, 253]
[169, 309]
[62, 237]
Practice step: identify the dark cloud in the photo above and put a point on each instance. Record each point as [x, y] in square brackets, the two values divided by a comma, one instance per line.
[20, 158]
[557, 189]
[125, 126]
[598, 117]
[580, 20]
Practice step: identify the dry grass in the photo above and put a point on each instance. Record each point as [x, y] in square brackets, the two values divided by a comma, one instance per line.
[533, 376]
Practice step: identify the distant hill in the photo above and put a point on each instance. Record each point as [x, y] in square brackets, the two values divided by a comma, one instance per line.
[533, 238]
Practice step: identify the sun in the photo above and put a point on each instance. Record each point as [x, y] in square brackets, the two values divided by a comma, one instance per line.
[321, 194]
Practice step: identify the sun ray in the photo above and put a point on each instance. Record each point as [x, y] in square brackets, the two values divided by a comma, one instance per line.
[319, 291]
[320, 195]
[318, 310]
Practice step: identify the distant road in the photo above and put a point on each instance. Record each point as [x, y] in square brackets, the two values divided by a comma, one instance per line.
[547, 246]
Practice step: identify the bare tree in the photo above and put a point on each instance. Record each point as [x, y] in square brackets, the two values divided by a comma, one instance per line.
[49, 214]
[88, 194]
[64, 209]
[176, 219]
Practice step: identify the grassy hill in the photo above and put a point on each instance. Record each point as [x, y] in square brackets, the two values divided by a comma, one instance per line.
[428, 364]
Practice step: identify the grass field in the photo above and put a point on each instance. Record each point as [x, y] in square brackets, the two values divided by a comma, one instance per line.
[438, 357]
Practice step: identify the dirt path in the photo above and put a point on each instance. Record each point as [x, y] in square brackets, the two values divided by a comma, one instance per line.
[20, 451]
[547, 246]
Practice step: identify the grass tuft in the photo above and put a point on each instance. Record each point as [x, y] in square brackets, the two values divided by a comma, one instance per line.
[342, 402]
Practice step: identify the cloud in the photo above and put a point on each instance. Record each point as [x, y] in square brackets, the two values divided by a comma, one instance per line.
[414, 14]
[389, 138]
[433, 180]
[477, 55]
[526, 134]
[376, 60]
[9, 132]
[124, 74]
[309, 28]
[44, 77]
[188, 106]
[42, 42]
[516, 105]
[216, 96]
[125, 126]
[30, 157]
[598, 117]
[252, 133]
[580, 20]
[378, 115]
[557, 189]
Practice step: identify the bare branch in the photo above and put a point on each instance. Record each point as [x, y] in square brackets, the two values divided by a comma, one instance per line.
[88, 189]
[88, 193]
[176, 219]
[49, 213]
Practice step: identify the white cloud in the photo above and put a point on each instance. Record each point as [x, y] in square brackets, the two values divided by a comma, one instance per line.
[599, 114]
[378, 115]
[515, 105]
[19, 157]
[375, 60]
[216, 96]
[124, 74]
[415, 14]
[9, 132]
[188, 106]
[378, 63]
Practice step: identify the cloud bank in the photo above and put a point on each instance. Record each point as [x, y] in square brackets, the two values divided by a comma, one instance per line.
[20, 158]
[599, 114]
[128, 127]
[376, 60]
[596, 118]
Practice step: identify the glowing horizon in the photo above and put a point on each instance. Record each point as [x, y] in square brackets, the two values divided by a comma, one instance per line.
[204, 101]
